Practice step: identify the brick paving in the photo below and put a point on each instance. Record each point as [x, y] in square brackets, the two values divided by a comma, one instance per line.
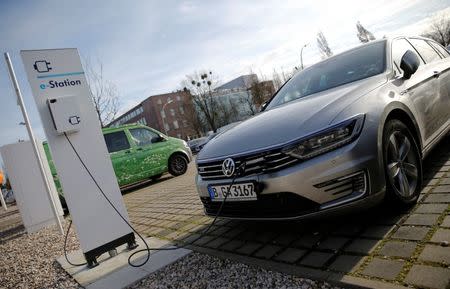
[386, 244]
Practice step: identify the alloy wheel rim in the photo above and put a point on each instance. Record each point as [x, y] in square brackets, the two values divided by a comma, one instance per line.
[402, 164]
[178, 164]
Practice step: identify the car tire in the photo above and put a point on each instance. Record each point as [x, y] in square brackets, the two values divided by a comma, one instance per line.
[178, 165]
[402, 164]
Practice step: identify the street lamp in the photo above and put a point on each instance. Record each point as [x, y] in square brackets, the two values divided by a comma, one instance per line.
[301, 54]
[165, 115]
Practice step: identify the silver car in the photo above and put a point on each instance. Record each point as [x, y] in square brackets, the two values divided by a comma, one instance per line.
[342, 134]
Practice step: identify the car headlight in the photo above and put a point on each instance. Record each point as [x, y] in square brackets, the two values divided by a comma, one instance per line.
[326, 140]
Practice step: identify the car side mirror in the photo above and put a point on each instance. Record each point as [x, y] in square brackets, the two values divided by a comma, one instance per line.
[409, 64]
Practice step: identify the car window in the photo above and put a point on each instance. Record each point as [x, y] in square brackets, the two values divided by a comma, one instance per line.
[116, 141]
[143, 136]
[357, 64]
[438, 47]
[425, 50]
[399, 47]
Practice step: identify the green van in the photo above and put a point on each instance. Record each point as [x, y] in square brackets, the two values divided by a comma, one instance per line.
[139, 153]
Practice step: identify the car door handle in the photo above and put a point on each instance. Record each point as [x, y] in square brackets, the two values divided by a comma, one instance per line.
[436, 74]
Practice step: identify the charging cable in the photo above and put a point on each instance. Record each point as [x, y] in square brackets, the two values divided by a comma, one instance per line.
[147, 249]
[65, 248]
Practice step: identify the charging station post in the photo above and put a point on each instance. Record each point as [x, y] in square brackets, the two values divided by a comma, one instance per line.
[33, 140]
[82, 161]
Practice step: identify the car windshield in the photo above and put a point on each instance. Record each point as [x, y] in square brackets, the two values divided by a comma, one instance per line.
[356, 64]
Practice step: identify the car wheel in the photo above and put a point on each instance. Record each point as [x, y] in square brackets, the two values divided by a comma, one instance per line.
[178, 165]
[402, 163]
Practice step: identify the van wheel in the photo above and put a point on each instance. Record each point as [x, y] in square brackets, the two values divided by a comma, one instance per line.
[178, 165]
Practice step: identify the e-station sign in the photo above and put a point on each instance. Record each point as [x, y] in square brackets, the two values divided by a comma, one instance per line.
[67, 112]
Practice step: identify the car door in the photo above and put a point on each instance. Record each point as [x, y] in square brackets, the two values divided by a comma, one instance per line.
[420, 88]
[443, 68]
[150, 151]
[120, 152]
[431, 100]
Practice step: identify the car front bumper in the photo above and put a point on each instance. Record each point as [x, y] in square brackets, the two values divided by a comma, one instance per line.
[347, 178]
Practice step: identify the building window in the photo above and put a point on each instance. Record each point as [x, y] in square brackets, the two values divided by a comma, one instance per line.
[185, 123]
[166, 126]
[163, 114]
[172, 112]
[168, 99]
[142, 120]
[181, 110]
[178, 98]
[159, 101]
[175, 124]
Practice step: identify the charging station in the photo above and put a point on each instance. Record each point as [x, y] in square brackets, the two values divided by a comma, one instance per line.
[67, 112]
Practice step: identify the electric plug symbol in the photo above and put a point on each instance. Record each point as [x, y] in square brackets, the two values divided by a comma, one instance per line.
[42, 66]
[74, 120]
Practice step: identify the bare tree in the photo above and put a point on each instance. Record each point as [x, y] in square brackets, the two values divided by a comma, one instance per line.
[276, 78]
[201, 86]
[279, 79]
[363, 34]
[228, 110]
[440, 30]
[248, 101]
[105, 94]
[193, 118]
[259, 91]
[323, 46]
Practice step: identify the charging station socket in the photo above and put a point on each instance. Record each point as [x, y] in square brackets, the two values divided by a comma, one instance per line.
[66, 115]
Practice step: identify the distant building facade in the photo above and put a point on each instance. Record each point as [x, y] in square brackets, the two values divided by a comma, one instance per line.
[172, 113]
[236, 96]
[163, 112]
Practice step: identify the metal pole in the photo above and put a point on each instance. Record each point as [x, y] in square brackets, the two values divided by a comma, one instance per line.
[33, 139]
[301, 55]
[2, 200]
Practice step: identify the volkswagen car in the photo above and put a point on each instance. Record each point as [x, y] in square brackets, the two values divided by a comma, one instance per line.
[340, 135]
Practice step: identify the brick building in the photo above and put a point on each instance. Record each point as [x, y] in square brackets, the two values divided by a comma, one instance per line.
[163, 112]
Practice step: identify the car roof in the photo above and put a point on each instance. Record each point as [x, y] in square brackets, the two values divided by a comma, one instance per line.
[122, 127]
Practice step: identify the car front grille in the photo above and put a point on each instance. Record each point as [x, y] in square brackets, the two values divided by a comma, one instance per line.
[280, 205]
[254, 164]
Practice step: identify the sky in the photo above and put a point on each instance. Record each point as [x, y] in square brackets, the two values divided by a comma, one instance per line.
[148, 47]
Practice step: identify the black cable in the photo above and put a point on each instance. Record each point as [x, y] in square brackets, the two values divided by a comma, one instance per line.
[147, 248]
[65, 248]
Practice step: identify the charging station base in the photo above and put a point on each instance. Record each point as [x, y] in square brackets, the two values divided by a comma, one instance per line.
[91, 256]
[114, 272]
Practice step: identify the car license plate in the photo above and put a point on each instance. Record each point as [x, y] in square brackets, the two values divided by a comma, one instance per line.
[238, 192]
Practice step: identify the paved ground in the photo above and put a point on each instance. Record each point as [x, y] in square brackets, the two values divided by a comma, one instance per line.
[407, 248]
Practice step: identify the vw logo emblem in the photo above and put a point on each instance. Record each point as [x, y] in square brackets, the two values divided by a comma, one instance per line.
[228, 167]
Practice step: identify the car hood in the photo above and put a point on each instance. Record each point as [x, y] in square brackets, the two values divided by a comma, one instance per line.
[286, 122]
